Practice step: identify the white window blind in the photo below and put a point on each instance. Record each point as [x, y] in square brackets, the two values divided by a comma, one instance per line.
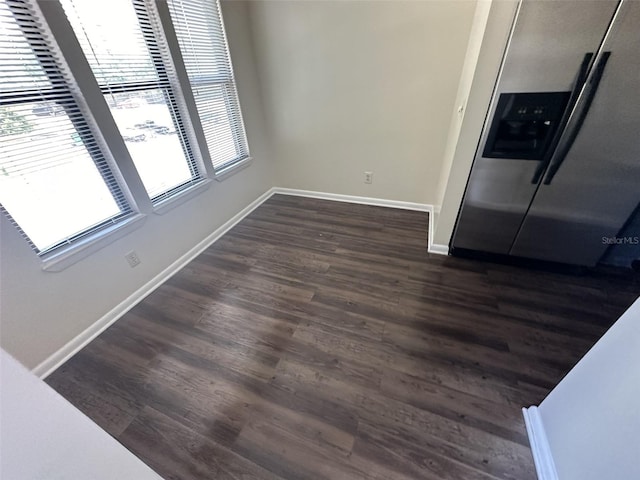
[129, 58]
[55, 182]
[203, 44]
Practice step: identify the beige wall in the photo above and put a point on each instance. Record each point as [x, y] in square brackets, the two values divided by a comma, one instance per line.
[41, 311]
[361, 86]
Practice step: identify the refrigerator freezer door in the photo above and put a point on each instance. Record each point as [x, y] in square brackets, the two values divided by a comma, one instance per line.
[546, 50]
[597, 186]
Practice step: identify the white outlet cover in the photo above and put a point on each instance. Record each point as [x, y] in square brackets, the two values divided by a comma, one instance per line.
[132, 259]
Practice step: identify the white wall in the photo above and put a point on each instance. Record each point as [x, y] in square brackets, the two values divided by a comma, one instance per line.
[361, 86]
[592, 418]
[487, 66]
[44, 436]
[41, 311]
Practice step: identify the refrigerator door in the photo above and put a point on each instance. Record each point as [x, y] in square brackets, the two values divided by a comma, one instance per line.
[582, 205]
[548, 45]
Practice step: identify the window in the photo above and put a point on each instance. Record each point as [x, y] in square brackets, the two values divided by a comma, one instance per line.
[55, 182]
[67, 182]
[129, 59]
[204, 49]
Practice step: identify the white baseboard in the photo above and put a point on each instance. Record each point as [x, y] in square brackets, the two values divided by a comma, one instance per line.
[76, 344]
[435, 248]
[338, 197]
[539, 445]
[438, 248]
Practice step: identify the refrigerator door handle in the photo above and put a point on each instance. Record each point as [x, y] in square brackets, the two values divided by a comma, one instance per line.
[591, 90]
[583, 72]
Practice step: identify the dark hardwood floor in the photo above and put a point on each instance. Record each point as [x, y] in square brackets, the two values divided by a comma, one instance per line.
[319, 340]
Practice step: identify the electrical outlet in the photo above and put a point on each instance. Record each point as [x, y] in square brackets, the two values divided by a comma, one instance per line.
[132, 259]
[368, 177]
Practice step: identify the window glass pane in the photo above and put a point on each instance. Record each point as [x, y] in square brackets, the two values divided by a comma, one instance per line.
[19, 65]
[212, 103]
[54, 181]
[204, 46]
[48, 181]
[112, 40]
[148, 130]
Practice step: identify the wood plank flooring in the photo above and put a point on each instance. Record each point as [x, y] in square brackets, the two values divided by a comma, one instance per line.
[319, 340]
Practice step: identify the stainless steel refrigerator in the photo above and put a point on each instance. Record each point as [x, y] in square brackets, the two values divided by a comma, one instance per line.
[557, 170]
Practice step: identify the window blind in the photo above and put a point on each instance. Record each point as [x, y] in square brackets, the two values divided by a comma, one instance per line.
[55, 182]
[124, 46]
[203, 45]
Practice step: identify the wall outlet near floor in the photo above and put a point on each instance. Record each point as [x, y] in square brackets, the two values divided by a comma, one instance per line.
[368, 177]
[132, 259]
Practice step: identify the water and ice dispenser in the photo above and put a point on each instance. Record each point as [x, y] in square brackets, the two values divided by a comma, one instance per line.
[524, 125]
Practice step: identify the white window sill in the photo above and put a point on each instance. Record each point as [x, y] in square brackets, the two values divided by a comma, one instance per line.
[232, 169]
[181, 197]
[67, 256]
